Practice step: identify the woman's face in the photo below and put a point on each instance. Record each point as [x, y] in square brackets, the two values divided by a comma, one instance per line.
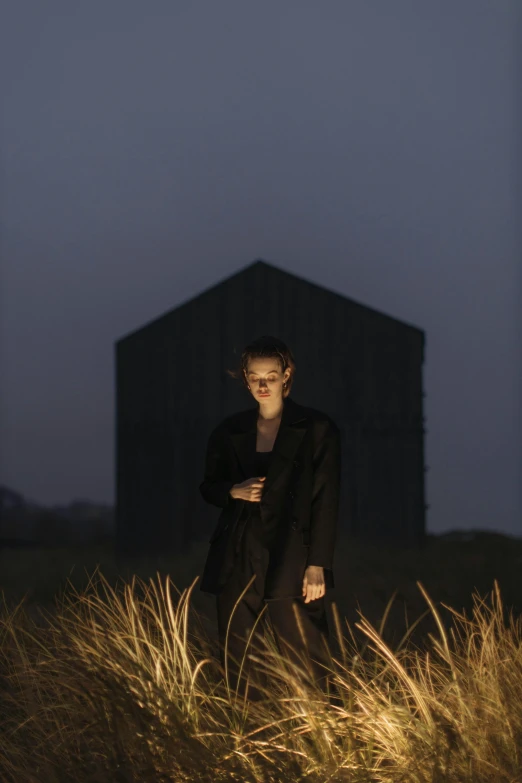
[265, 378]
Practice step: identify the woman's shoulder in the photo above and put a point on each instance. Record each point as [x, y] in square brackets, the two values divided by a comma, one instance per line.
[243, 420]
[322, 423]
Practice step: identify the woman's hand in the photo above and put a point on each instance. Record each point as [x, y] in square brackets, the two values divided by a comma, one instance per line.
[313, 583]
[250, 489]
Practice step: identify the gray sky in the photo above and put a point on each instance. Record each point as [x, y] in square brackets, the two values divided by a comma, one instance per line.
[149, 149]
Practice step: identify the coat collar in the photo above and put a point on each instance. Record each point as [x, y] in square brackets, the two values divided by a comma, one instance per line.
[246, 421]
[290, 434]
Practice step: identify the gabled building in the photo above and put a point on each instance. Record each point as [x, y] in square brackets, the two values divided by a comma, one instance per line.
[360, 366]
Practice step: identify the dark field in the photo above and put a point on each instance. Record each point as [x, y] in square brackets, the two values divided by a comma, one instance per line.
[119, 683]
[366, 576]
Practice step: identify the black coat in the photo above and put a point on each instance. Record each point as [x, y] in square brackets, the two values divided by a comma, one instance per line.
[301, 492]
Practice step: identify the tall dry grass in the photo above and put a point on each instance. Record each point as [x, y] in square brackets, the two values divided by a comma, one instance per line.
[120, 683]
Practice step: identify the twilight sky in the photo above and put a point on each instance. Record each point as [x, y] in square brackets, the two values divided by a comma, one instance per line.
[150, 149]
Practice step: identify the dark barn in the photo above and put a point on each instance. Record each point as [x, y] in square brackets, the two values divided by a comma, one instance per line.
[360, 366]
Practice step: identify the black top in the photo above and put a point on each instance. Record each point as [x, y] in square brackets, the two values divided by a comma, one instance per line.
[262, 461]
[259, 463]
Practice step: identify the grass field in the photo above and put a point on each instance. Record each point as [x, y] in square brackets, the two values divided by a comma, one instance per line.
[115, 678]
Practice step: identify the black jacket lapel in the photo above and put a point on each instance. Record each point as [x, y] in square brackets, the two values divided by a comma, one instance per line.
[290, 434]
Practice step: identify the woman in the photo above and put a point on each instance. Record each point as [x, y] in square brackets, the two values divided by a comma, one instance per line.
[274, 470]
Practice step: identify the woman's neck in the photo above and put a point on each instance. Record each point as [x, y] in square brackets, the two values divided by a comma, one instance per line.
[271, 411]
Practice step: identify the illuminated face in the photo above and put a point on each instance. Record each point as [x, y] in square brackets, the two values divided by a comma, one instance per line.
[265, 378]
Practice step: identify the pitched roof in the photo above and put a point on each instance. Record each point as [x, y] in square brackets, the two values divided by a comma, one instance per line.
[261, 264]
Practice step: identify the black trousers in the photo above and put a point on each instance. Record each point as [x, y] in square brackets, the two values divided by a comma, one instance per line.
[310, 652]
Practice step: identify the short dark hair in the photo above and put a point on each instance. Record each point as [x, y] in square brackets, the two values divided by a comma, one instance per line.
[266, 347]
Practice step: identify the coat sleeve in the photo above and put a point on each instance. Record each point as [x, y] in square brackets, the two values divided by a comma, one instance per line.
[325, 494]
[216, 484]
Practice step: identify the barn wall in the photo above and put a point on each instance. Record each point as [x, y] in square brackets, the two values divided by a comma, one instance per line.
[145, 456]
[359, 366]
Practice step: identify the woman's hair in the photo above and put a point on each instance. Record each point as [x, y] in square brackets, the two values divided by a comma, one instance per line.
[266, 347]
